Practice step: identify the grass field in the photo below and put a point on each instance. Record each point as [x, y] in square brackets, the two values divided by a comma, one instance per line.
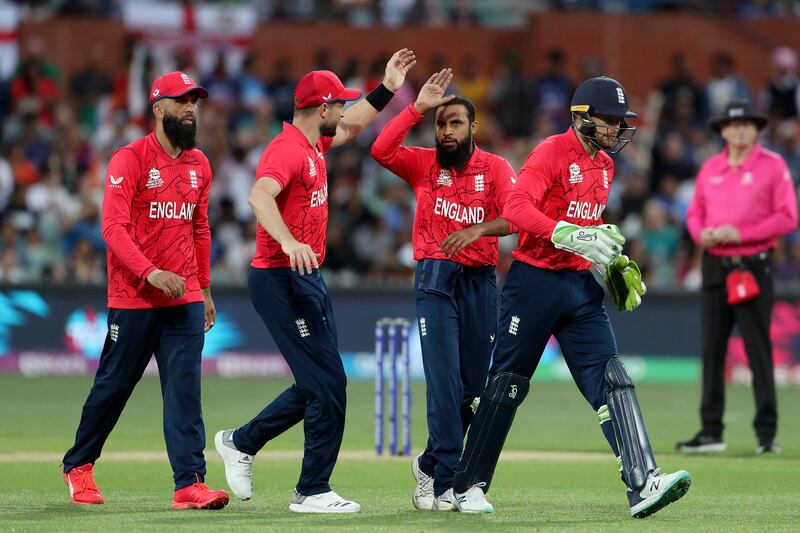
[547, 490]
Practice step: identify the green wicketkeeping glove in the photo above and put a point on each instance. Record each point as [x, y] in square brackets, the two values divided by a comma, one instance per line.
[599, 244]
[624, 281]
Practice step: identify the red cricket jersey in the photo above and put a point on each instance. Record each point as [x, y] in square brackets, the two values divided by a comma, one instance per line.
[559, 181]
[299, 168]
[447, 200]
[155, 215]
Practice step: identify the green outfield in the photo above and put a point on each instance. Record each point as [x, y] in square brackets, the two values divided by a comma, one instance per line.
[568, 482]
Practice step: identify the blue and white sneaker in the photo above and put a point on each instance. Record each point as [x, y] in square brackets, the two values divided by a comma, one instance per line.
[658, 492]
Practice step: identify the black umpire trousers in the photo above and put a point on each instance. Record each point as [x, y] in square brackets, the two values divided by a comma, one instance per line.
[753, 318]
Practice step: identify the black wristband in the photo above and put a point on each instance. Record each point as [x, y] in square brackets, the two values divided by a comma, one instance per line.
[380, 97]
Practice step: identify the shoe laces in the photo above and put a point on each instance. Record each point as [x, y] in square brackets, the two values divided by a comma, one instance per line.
[425, 483]
[86, 480]
[425, 486]
[200, 485]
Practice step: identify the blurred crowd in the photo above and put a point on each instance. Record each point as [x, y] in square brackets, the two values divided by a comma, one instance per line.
[59, 134]
[428, 12]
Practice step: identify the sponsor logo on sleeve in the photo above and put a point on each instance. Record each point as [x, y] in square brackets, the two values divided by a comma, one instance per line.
[115, 183]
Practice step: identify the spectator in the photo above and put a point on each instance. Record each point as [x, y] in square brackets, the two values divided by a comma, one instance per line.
[782, 93]
[725, 84]
[683, 96]
[554, 90]
[87, 86]
[513, 98]
[660, 238]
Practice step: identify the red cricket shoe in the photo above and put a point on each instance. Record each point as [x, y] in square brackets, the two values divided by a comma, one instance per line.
[199, 496]
[82, 489]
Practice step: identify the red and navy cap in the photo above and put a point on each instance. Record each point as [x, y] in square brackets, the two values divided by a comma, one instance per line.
[320, 87]
[174, 85]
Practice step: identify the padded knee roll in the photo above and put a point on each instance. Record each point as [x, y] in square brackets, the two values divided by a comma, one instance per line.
[487, 434]
[629, 429]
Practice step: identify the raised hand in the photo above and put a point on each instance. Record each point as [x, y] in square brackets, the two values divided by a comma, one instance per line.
[397, 68]
[431, 95]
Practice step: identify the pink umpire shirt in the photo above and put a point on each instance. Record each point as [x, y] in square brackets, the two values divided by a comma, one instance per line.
[758, 198]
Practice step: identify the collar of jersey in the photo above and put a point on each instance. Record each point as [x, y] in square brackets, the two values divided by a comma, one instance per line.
[747, 163]
[294, 132]
[160, 149]
[576, 143]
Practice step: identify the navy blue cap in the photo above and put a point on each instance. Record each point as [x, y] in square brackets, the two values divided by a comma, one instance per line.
[601, 96]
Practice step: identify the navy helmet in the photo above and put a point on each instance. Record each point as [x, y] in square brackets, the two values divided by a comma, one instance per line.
[604, 97]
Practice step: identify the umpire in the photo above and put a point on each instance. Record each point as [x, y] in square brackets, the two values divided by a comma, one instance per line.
[744, 199]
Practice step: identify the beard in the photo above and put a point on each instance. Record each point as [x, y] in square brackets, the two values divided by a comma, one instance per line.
[180, 135]
[327, 130]
[454, 157]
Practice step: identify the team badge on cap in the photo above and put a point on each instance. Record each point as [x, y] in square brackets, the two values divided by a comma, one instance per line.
[174, 85]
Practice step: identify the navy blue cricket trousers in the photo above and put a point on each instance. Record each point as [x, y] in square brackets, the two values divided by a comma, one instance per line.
[538, 303]
[457, 317]
[175, 335]
[298, 314]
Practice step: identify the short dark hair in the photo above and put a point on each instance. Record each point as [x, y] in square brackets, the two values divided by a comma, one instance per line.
[467, 103]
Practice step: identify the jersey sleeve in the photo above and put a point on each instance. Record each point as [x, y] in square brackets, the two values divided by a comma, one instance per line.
[505, 179]
[280, 162]
[783, 218]
[120, 188]
[535, 178]
[388, 150]
[202, 233]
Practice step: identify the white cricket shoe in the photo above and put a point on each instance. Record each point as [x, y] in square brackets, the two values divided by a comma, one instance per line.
[473, 501]
[327, 502]
[423, 498]
[444, 503]
[238, 465]
[658, 492]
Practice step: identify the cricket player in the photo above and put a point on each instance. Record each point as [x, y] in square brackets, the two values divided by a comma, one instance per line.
[557, 204]
[155, 224]
[460, 192]
[290, 200]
